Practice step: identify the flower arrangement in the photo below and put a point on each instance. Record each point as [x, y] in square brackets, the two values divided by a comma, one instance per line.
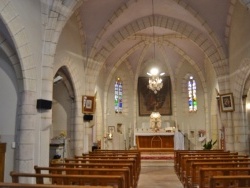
[62, 134]
[201, 133]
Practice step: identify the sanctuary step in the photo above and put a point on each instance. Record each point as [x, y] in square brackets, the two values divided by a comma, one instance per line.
[157, 159]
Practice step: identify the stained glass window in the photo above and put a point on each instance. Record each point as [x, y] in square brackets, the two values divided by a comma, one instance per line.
[192, 97]
[118, 96]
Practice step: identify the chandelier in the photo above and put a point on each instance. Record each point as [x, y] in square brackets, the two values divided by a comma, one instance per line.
[155, 82]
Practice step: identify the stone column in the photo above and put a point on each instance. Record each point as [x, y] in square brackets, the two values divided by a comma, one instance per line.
[26, 132]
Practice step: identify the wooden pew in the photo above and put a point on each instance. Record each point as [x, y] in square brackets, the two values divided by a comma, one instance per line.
[98, 165]
[25, 185]
[135, 171]
[194, 178]
[184, 168]
[88, 171]
[118, 152]
[121, 157]
[135, 155]
[106, 180]
[229, 181]
[183, 157]
[178, 153]
[191, 172]
[207, 173]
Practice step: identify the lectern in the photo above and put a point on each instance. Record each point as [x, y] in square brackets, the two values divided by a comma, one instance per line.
[2, 160]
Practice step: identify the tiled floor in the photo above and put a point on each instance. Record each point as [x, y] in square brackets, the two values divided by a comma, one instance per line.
[154, 175]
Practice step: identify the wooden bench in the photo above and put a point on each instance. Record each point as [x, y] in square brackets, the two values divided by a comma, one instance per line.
[118, 152]
[186, 166]
[98, 165]
[103, 180]
[229, 181]
[187, 175]
[207, 173]
[88, 171]
[135, 171]
[122, 157]
[178, 153]
[183, 157]
[25, 185]
[192, 180]
[135, 155]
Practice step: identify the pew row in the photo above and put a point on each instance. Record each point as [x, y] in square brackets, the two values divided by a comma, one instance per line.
[135, 170]
[25, 185]
[194, 179]
[177, 154]
[97, 166]
[116, 155]
[101, 157]
[64, 179]
[207, 173]
[89, 171]
[230, 181]
[182, 155]
[185, 168]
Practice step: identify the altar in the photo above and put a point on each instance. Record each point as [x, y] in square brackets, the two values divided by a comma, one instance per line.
[154, 141]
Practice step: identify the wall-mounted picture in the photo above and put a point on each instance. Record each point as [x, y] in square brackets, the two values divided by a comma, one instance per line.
[149, 101]
[227, 102]
[88, 104]
[111, 129]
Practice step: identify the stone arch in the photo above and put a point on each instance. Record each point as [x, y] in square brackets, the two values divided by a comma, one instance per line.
[27, 76]
[12, 56]
[55, 16]
[73, 74]
[239, 89]
[23, 49]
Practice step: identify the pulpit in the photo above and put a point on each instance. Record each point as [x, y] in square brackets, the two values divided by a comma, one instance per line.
[155, 141]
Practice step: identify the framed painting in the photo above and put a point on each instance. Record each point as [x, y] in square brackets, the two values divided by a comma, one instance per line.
[111, 129]
[149, 101]
[88, 104]
[227, 102]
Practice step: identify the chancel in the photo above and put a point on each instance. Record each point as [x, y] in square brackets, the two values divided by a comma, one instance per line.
[126, 74]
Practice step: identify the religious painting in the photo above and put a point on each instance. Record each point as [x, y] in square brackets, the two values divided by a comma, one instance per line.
[88, 104]
[227, 102]
[149, 101]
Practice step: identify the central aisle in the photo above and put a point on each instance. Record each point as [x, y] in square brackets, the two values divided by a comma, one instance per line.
[158, 177]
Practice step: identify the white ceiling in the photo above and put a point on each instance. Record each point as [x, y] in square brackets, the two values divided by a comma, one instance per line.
[102, 19]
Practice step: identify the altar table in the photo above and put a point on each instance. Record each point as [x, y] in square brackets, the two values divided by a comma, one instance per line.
[155, 141]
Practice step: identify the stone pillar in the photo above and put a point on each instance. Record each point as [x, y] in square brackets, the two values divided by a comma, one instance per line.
[26, 132]
[78, 127]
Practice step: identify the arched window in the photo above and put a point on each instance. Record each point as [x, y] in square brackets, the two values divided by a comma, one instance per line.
[192, 97]
[118, 96]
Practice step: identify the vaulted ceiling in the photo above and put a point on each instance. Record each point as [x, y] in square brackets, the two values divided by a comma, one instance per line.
[156, 32]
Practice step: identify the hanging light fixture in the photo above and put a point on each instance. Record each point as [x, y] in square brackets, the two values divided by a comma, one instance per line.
[155, 81]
